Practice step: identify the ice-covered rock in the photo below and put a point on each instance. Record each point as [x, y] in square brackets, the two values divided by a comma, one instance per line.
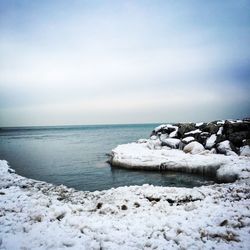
[188, 139]
[211, 141]
[171, 142]
[225, 148]
[194, 148]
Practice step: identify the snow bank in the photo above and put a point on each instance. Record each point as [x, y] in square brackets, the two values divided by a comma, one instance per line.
[140, 156]
[37, 215]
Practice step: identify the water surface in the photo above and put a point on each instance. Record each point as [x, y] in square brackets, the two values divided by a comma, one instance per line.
[76, 156]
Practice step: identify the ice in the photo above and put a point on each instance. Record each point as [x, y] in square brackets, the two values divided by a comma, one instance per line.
[140, 156]
[38, 215]
[211, 141]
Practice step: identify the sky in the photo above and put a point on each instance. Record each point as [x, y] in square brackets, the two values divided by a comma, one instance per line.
[110, 62]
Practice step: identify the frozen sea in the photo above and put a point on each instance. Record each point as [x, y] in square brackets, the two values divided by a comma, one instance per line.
[76, 156]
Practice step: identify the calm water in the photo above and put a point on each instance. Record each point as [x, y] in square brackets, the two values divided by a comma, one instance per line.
[76, 156]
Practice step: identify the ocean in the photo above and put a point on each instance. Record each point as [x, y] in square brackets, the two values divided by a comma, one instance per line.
[76, 156]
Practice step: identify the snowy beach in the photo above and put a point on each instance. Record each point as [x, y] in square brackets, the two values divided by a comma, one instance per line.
[39, 215]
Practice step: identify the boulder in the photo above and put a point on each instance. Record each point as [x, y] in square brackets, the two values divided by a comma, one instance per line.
[232, 127]
[202, 137]
[225, 148]
[171, 142]
[237, 137]
[211, 128]
[194, 148]
[211, 141]
[184, 128]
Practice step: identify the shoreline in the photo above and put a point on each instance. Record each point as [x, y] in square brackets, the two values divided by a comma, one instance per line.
[39, 215]
[220, 149]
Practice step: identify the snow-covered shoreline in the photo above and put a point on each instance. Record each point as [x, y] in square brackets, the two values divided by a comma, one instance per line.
[220, 149]
[38, 215]
[140, 156]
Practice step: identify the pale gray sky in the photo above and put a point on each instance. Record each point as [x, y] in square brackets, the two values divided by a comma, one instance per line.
[98, 62]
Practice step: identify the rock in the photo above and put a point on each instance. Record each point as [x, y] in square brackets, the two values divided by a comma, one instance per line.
[211, 128]
[225, 148]
[246, 142]
[237, 137]
[220, 138]
[184, 128]
[171, 142]
[211, 141]
[202, 137]
[194, 148]
[245, 151]
[230, 127]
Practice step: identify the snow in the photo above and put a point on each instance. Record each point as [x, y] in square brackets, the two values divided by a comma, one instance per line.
[174, 133]
[140, 156]
[193, 148]
[160, 127]
[225, 148]
[222, 122]
[38, 215]
[245, 151]
[196, 131]
[188, 139]
[220, 131]
[171, 142]
[211, 141]
[199, 124]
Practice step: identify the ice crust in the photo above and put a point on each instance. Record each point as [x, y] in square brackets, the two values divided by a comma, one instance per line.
[38, 215]
[140, 156]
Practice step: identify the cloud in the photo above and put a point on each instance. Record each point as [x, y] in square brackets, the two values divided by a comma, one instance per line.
[122, 62]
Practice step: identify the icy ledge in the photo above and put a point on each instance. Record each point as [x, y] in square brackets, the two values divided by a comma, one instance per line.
[38, 215]
[141, 155]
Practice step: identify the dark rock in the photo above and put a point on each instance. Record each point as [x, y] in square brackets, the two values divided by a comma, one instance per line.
[237, 137]
[246, 142]
[220, 138]
[184, 128]
[224, 223]
[230, 128]
[136, 204]
[153, 199]
[211, 128]
[99, 205]
[202, 138]
[124, 207]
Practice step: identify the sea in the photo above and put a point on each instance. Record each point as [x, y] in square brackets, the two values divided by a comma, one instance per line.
[76, 156]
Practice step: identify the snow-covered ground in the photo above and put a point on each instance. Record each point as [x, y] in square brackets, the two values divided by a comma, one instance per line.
[38, 215]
